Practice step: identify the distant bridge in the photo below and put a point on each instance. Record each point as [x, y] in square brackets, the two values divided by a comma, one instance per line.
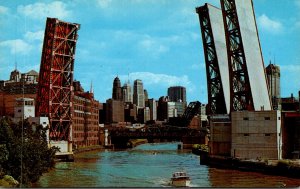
[157, 132]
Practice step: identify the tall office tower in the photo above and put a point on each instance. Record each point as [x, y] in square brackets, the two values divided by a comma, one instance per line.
[146, 98]
[153, 109]
[177, 94]
[117, 90]
[114, 111]
[273, 76]
[138, 94]
[162, 108]
[127, 93]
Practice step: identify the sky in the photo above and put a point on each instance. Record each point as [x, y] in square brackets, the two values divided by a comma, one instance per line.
[157, 41]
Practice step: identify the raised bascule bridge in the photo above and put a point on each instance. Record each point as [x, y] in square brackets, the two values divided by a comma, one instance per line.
[55, 88]
[236, 79]
[242, 122]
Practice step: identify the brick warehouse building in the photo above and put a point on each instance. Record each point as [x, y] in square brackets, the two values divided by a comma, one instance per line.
[85, 130]
[18, 86]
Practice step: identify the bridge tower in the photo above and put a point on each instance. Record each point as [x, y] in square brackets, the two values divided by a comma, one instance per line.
[55, 89]
[216, 61]
[248, 85]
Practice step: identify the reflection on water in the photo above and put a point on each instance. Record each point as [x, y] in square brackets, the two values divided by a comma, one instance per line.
[149, 165]
[234, 178]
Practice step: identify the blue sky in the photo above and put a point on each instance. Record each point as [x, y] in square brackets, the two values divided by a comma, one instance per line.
[158, 41]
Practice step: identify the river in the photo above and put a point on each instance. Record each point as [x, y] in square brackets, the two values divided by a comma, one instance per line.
[150, 165]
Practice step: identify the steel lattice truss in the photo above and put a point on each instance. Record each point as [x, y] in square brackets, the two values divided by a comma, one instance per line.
[216, 100]
[55, 91]
[240, 91]
[191, 111]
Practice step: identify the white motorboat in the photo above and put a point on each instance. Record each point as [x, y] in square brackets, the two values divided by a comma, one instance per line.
[180, 179]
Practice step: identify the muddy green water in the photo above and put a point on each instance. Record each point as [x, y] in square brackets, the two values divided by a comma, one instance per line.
[150, 165]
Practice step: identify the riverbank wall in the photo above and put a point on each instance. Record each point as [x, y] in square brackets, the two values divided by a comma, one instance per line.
[135, 142]
[288, 168]
[88, 148]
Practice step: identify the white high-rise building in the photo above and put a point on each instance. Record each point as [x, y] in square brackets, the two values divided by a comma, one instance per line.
[138, 94]
[127, 93]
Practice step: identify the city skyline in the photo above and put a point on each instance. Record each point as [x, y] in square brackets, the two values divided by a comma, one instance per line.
[161, 46]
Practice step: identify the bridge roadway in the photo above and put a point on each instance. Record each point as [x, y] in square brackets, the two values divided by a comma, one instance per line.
[158, 132]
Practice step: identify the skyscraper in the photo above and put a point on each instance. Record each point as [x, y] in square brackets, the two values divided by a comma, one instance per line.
[162, 108]
[273, 77]
[146, 98]
[138, 94]
[177, 94]
[127, 93]
[153, 109]
[117, 90]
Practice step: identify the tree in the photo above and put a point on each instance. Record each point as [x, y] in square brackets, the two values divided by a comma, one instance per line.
[31, 147]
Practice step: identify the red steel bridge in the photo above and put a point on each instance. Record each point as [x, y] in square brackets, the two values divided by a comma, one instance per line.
[55, 90]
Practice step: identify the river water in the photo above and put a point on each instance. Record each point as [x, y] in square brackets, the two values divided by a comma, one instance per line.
[150, 165]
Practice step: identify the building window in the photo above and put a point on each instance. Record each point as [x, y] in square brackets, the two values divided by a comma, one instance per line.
[278, 118]
[19, 110]
[267, 118]
[246, 118]
[246, 134]
[267, 134]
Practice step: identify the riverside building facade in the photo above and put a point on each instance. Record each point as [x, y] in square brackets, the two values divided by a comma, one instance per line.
[85, 126]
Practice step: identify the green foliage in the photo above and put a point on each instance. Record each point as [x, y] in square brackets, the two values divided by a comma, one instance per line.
[201, 147]
[37, 158]
[284, 163]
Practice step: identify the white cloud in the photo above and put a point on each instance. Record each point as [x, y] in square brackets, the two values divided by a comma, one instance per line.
[153, 46]
[42, 10]
[297, 2]
[104, 3]
[291, 68]
[32, 36]
[3, 10]
[149, 78]
[17, 46]
[198, 66]
[270, 25]
[297, 24]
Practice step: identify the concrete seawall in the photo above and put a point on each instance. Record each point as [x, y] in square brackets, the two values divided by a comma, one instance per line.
[281, 167]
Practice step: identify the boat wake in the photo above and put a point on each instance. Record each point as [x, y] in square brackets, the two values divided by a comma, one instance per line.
[164, 183]
[192, 185]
